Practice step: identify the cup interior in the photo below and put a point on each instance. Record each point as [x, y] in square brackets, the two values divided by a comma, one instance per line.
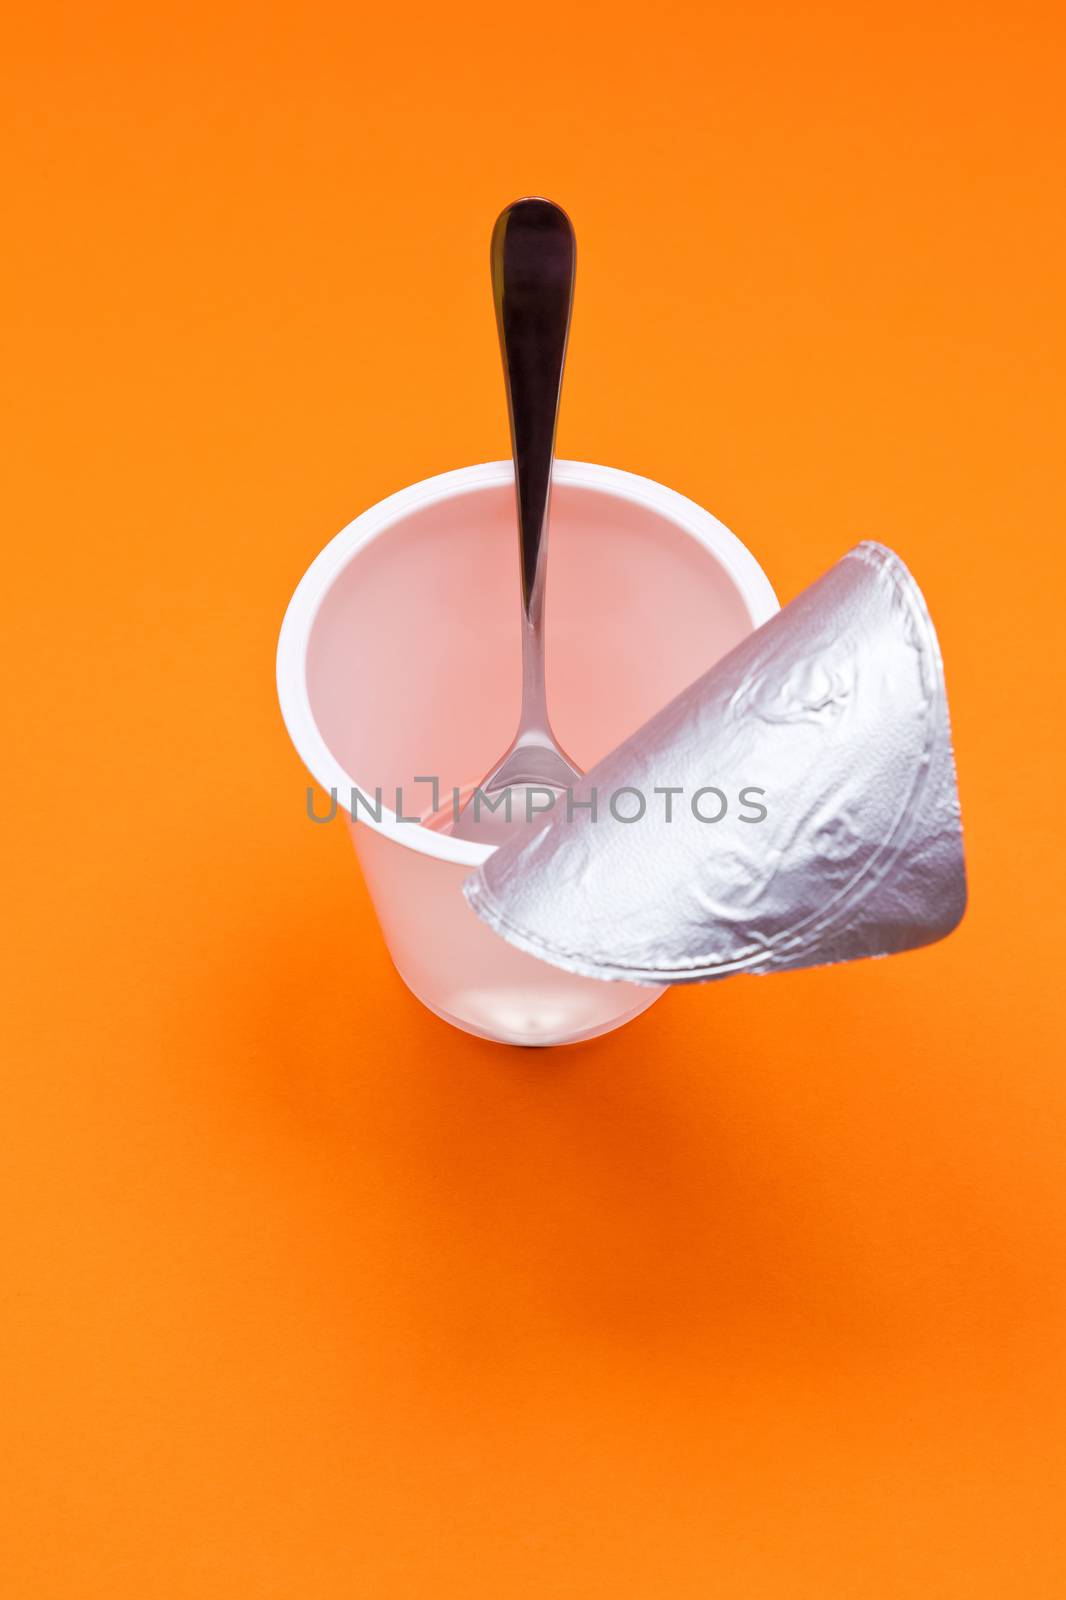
[413, 655]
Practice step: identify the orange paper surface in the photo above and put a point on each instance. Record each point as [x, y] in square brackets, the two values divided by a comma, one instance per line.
[306, 1296]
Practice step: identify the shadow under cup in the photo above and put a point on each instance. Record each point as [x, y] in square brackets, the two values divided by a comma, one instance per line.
[399, 662]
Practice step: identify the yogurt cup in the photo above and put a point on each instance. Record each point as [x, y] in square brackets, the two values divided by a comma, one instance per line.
[398, 673]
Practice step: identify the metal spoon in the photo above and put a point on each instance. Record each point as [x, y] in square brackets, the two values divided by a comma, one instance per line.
[533, 254]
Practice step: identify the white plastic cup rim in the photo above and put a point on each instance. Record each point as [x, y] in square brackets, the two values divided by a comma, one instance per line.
[750, 580]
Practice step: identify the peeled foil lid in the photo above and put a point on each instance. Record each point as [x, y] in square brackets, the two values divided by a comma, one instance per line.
[836, 710]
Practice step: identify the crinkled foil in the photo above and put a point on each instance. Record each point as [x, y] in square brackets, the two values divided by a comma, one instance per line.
[836, 710]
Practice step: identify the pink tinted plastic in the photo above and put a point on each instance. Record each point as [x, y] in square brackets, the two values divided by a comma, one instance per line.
[399, 659]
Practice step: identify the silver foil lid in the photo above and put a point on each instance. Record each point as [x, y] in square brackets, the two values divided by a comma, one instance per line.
[824, 736]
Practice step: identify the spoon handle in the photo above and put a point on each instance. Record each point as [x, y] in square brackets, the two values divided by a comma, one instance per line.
[533, 256]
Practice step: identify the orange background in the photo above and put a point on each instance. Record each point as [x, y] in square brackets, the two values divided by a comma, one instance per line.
[308, 1295]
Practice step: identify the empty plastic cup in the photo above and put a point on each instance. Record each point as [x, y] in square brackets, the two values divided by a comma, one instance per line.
[399, 663]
